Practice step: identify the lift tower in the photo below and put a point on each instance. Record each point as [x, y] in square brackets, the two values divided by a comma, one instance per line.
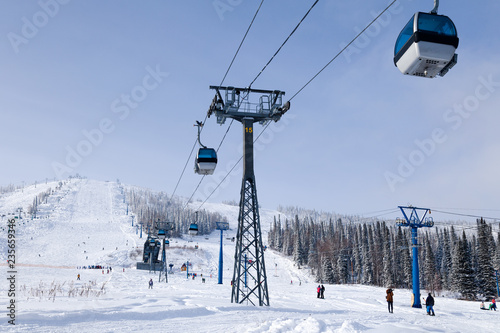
[414, 221]
[249, 275]
[163, 229]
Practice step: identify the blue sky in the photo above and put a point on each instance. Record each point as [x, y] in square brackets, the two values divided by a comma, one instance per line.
[111, 89]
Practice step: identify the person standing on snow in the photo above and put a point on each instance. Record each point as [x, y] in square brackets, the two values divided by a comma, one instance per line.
[389, 298]
[150, 284]
[319, 290]
[322, 291]
[429, 302]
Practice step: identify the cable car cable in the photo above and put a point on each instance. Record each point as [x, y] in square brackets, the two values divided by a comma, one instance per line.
[246, 33]
[204, 120]
[229, 172]
[182, 173]
[341, 51]
[261, 71]
[335, 57]
[283, 44]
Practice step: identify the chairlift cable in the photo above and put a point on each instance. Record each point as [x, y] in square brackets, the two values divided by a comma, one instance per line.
[467, 215]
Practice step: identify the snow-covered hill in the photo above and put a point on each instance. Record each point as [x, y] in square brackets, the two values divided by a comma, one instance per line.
[85, 222]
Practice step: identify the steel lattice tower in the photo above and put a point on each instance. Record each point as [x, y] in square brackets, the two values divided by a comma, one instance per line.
[249, 275]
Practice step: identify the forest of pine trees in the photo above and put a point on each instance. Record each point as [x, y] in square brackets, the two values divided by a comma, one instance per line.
[380, 254]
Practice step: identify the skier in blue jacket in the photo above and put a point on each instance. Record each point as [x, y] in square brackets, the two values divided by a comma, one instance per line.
[429, 302]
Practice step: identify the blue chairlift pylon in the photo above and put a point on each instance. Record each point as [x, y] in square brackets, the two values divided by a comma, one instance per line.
[415, 221]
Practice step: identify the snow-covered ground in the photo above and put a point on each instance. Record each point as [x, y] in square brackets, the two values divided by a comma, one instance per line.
[85, 223]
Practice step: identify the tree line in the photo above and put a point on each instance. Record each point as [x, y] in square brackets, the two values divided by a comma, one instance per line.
[377, 253]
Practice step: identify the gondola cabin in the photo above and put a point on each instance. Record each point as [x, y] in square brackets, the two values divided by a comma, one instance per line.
[426, 46]
[162, 233]
[167, 243]
[193, 229]
[206, 161]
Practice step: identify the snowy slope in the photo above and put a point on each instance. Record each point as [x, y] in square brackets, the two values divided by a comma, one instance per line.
[85, 223]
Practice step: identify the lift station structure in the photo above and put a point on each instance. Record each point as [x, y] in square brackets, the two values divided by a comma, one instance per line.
[413, 220]
[249, 275]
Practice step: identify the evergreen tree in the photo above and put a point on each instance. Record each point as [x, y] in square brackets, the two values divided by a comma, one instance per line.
[328, 276]
[356, 253]
[485, 271]
[367, 273]
[497, 254]
[429, 267]
[342, 271]
[299, 257]
[387, 279]
[407, 263]
[446, 264]
[463, 275]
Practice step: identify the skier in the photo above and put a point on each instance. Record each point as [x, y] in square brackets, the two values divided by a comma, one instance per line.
[322, 291]
[389, 298]
[78, 277]
[493, 304]
[429, 302]
[319, 290]
[150, 284]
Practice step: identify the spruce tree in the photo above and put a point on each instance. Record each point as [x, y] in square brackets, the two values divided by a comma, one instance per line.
[429, 267]
[342, 271]
[485, 271]
[367, 273]
[327, 267]
[387, 259]
[463, 275]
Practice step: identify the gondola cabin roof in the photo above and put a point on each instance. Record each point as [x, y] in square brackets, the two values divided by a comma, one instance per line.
[207, 154]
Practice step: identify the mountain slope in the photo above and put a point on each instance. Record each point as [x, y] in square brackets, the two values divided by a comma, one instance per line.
[87, 218]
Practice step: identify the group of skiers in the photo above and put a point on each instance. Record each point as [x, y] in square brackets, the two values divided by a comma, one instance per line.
[492, 306]
[321, 291]
[429, 302]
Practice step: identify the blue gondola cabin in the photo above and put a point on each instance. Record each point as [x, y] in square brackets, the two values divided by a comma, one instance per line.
[426, 46]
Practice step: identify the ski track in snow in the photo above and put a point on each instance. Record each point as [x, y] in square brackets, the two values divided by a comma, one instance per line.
[85, 223]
